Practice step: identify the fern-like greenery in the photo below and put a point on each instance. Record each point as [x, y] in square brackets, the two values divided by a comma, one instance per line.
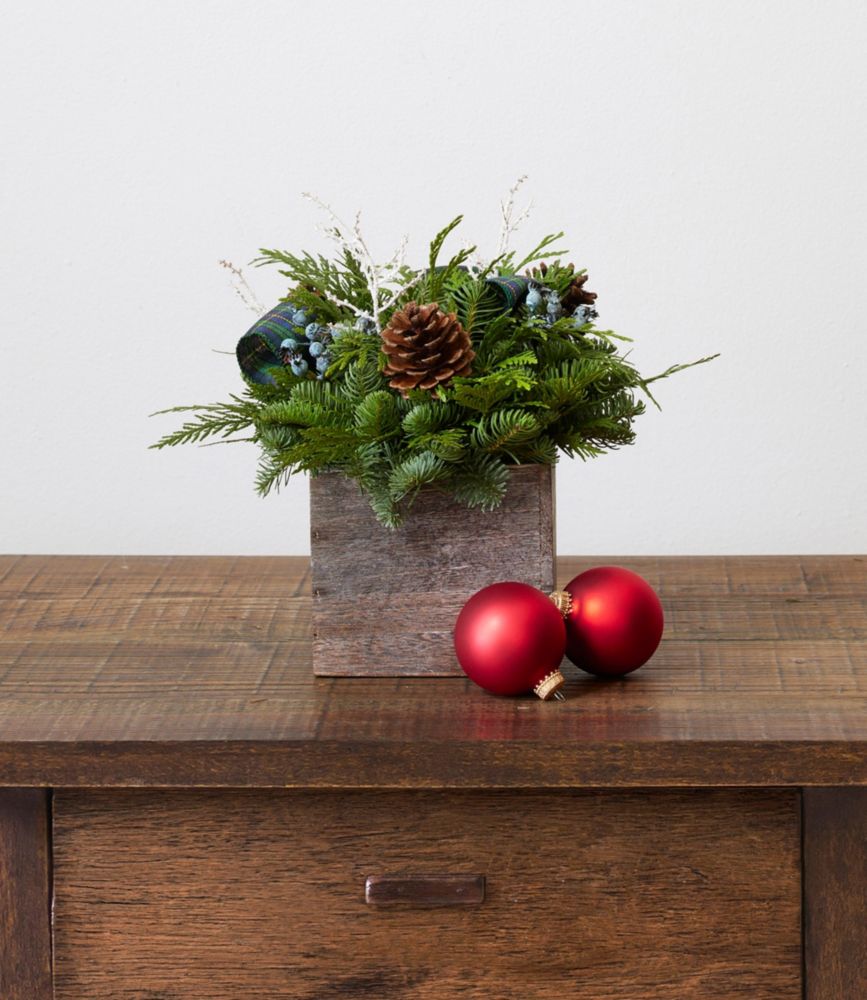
[542, 384]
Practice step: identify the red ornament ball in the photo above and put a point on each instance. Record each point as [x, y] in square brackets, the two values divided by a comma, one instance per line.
[510, 638]
[615, 622]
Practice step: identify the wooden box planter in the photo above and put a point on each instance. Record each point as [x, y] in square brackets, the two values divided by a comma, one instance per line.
[385, 602]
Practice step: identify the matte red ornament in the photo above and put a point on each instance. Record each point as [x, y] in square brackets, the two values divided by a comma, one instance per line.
[510, 638]
[614, 620]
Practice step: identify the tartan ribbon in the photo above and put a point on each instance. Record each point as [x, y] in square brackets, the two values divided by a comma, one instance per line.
[258, 351]
[512, 288]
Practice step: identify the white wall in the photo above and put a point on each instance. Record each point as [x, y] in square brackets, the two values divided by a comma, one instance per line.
[707, 159]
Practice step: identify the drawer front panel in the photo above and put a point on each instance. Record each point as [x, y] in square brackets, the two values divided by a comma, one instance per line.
[596, 896]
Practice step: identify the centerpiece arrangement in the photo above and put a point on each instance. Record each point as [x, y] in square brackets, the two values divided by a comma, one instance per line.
[430, 405]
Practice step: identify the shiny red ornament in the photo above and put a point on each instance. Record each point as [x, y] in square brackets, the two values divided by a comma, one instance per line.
[510, 638]
[614, 623]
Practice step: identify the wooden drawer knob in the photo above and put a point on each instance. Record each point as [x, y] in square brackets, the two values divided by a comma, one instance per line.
[424, 891]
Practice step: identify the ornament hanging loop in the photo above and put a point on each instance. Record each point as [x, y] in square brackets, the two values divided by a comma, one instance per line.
[562, 600]
[549, 686]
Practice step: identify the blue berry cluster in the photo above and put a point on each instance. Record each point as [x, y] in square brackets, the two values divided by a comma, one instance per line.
[553, 309]
[365, 324]
[584, 314]
[541, 300]
[533, 301]
[537, 298]
[307, 348]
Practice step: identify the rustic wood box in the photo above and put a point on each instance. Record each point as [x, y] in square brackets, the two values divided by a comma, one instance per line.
[385, 602]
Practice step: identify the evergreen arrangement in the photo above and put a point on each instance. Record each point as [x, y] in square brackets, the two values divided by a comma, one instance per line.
[442, 376]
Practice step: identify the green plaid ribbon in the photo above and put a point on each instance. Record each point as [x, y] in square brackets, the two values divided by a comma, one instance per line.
[258, 351]
[512, 288]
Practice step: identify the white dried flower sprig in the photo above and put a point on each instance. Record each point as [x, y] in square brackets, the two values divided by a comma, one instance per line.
[244, 292]
[511, 222]
[385, 282]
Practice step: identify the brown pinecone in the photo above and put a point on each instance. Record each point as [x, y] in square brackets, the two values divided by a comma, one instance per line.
[426, 348]
[575, 295]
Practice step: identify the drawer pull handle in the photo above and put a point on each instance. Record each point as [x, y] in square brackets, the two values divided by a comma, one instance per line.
[424, 891]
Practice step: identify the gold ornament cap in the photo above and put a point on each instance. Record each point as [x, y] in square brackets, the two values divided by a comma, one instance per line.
[549, 686]
[563, 600]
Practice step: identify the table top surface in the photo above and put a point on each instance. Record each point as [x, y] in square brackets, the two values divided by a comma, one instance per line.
[195, 671]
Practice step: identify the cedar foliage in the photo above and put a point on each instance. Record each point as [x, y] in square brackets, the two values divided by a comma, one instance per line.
[538, 388]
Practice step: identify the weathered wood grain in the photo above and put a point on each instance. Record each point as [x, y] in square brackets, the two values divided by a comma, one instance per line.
[25, 895]
[590, 896]
[197, 670]
[719, 576]
[385, 602]
[835, 893]
[196, 577]
[227, 619]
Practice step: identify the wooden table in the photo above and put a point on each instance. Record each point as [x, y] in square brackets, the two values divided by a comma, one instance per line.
[188, 813]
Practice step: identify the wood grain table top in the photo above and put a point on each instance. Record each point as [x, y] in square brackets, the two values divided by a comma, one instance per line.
[195, 671]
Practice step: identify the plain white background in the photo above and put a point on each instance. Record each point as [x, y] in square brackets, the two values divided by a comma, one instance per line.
[707, 160]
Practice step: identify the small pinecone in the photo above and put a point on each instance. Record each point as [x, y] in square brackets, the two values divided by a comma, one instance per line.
[575, 295]
[426, 348]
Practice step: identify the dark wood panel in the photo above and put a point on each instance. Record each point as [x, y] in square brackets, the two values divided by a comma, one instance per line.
[408, 764]
[424, 891]
[145, 663]
[835, 893]
[25, 900]
[589, 896]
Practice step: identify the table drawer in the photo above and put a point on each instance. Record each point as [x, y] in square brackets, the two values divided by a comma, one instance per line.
[592, 895]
